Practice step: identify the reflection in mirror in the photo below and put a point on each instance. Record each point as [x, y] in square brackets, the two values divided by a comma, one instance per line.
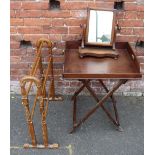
[100, 27]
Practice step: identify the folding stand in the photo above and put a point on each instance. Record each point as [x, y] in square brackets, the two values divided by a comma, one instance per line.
[42, 97]
[100, 103]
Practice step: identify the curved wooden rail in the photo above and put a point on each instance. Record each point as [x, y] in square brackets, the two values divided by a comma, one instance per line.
[42, 97]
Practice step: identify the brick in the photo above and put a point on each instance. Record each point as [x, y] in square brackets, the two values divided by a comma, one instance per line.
[75, 30]
[126, 38]
[63, 84]
[13, 30]
[56, 14]
[58, 22]
[126, 31]
[57, 71]
[109, 5]
[26, 58]
[57, 51]
[140, 15]
[15, 5]
[34, 37]
[30, 30]
[139, 31]
[15, 72]
[16, 51]
[37, 21]
[60, 45]
[131, 23]
[130, 6]
[16, 22]
[73, 5]
[55, 38]
[75, 22]
[16, 37]
[79, 13]
[59, 59]
[28, 13]
[120, 15]
[140, 8]
[15, 59]
[75, 84]
[56, 30]
[35, 5]
[19, 65]
[14, 45]
[71, 37]
[12, 13]
[130, 15]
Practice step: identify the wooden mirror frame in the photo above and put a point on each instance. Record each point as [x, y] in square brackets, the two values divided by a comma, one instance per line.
[86, 32]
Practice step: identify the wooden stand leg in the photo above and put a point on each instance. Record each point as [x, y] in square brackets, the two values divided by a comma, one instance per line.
[116, 113]
[52, 88]
[103, 108]
[44, 130]
[41, 105]
[43, 121]
[114, 106]
[53, 96]
[30, 123]
[113, 101]
[74, 99]
[74, 115]
[74, 112]
[32, 133]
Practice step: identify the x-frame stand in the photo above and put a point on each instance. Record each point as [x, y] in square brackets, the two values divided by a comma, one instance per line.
[100, 103]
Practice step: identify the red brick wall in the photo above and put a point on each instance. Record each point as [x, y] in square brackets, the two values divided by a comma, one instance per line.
[32, 19]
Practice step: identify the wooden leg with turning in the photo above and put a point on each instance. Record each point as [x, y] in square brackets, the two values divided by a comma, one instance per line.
[41, 105]
[29, 122]
[32, 133]
[44, 130]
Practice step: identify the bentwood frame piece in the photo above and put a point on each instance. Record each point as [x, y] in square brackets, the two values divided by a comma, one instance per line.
[42, 97]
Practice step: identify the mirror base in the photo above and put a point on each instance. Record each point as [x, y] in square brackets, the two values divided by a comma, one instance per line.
[98, 52]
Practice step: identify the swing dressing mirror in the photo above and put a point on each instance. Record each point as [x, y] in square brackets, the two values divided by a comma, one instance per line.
[100, 27]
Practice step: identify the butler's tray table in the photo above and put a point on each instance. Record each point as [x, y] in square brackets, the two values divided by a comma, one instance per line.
[125, 68]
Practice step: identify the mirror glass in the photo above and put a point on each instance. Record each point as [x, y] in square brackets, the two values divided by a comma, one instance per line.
[100, 27]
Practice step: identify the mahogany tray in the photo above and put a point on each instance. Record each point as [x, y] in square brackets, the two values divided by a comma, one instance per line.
[125, 67]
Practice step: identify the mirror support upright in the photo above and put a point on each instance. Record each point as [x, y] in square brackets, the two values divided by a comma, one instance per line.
[83, 34]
